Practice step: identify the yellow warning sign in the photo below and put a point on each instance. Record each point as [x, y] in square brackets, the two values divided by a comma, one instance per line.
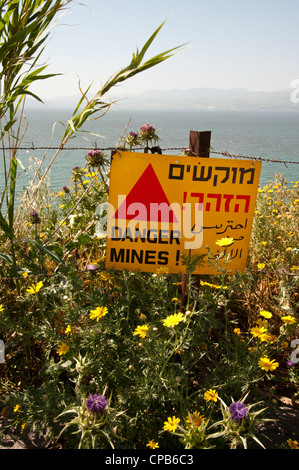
[164, 207]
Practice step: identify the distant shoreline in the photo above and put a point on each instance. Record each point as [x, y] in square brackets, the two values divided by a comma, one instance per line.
[188, 100]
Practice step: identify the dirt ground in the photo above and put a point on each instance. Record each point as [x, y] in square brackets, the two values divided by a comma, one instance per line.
[285, 425]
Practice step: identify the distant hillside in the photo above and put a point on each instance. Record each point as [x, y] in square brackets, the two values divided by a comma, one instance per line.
[195, 98]
[209, 98]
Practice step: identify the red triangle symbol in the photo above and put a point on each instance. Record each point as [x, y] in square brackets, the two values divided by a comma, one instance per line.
[146, 201]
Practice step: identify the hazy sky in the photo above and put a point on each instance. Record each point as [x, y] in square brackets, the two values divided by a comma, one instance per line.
[249, 44]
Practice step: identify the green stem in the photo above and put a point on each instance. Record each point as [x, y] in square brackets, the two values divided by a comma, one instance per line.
[189, 290]
[5, 193]
[176, 347]
[225, 268]
[104, 181]
[14, 264]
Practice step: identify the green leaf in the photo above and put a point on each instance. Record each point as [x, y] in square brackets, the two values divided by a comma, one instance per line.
[4, 225]
[84, 96]
[148, 43]
[55, 257]
[13, 175]
[7, 258]
[136, 65]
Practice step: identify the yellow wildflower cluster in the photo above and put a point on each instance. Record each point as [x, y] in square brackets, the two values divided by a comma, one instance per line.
[262, 334]
[261, 329]
[275, 234]
[192, 420]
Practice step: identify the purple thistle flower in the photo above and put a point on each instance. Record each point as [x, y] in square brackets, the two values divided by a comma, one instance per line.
[96, 403]
[238, 411]
[95, 157]
[147, 133]
[33, 214]
[93, 152]
[76, 168]
[92, 267]
[147, 128]
[133, 134]
[34, 217]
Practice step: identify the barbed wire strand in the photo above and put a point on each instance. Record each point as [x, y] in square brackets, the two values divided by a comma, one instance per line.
[223, 153]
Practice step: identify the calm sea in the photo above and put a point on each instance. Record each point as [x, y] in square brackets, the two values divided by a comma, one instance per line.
[270, 135]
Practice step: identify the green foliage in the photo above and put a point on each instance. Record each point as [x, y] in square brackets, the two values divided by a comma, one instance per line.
[72, 329]
[24, 29]
[56, 349]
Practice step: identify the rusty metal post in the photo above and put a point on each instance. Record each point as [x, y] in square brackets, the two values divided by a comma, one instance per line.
[199, 146]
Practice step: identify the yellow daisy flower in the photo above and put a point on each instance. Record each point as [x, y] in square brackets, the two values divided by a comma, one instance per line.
[173, 320]
[171, 424]
[162, 270]
[23, 427]
[195, 419]
[293, 444]
[141, 330]
[265, 314]
[62, 349]
[266, 364]
[68, 330]
[98, 313]
[224, 242]
[152, 445]
[289, 319]
[34, 289]
[211, 395]
[258, 331]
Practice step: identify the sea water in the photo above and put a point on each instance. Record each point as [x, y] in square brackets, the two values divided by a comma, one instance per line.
[257, 134]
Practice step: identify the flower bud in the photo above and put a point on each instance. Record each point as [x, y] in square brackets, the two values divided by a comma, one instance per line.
[34, 217]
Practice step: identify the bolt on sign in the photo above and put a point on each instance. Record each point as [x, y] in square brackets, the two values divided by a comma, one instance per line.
[163, 206]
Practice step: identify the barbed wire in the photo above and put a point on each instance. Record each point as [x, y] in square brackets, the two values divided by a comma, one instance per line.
[271, 160]
[111, 149]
